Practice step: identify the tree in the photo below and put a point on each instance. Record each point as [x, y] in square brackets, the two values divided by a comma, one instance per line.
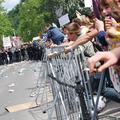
[30, 16]
[31, 19]
[5, 25]
[13, 16]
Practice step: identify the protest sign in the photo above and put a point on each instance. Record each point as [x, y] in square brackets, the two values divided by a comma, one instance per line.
[64, 20]
[7, 42]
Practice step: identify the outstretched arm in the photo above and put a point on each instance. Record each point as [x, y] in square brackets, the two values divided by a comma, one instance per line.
[109, 58]
[83, 39]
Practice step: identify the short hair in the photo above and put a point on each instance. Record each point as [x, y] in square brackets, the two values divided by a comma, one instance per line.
[48, 25]
[73, 27]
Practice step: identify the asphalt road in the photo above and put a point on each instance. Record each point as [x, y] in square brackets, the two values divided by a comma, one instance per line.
[17, 81]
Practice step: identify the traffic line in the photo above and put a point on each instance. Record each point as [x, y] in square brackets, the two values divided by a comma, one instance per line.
[19, 107]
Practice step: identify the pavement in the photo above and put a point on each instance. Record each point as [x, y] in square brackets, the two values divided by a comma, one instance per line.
[18, 86]
[111, 111]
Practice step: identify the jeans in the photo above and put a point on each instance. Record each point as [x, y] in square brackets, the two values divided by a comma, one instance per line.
[108, 90]
[111, 94]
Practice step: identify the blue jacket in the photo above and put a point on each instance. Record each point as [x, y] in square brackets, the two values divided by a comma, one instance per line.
[55, 35]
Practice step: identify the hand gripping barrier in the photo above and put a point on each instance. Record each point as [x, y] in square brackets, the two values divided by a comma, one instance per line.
[71, 86]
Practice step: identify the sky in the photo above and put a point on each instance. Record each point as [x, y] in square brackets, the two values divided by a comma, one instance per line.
[10, 4]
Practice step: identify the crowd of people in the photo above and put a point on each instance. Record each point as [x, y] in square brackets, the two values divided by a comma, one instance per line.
[28, 51]
[99, 39]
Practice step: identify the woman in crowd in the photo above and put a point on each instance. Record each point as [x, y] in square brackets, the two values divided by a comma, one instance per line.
[109, 11]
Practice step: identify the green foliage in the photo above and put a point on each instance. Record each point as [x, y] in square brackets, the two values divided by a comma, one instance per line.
[5, 24]
[30, 16]
[86, 11]
[31, 19]
[14, 16]
[70, 6]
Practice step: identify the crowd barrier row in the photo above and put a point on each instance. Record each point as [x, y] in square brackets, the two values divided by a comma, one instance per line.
[71, 85]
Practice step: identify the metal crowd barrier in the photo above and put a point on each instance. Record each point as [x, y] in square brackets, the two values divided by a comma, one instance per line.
[71, 86]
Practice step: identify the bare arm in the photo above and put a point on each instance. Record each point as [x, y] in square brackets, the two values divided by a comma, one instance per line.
[83, 39]
[66, 44]
[116, 52]
[110, 58]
